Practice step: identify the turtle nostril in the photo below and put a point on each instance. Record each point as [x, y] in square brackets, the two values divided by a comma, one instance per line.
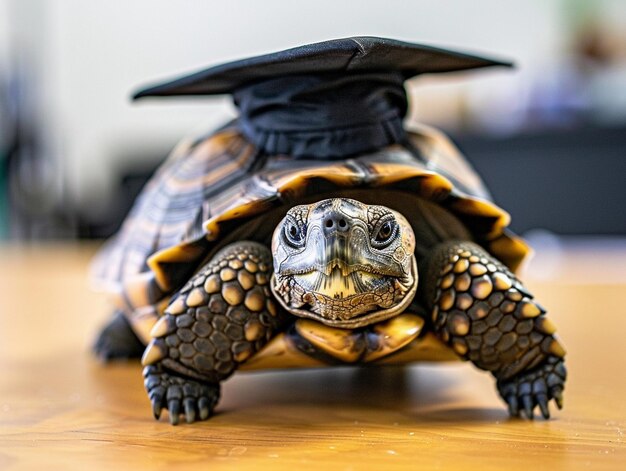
[335, 222]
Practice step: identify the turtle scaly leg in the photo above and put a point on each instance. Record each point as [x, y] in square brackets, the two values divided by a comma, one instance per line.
[117, 341]
[220, 318]
[487, 316]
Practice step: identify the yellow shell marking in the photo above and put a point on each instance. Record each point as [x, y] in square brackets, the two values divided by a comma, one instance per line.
[340, 343]
[395, 334]
[279, 353]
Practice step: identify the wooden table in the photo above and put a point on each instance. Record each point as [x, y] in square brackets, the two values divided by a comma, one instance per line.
[61, 409]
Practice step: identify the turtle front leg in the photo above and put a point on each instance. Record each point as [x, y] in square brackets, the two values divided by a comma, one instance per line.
[219, 319]
[487, 316]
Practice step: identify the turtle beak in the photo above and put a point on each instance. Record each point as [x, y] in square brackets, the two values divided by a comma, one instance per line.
[331, 251]
[330, 246]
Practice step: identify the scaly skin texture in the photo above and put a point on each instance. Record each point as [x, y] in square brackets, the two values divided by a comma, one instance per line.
[226, 313]
[220, 318]
[344, 263]
[487, 316]
[117, 341]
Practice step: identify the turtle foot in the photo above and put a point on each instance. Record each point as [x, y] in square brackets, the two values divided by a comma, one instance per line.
[117, 341]
[529, 389]
[179, 395]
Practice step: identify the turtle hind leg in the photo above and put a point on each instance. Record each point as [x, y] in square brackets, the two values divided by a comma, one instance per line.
[488, 317]
[117, 341]
[219, 319]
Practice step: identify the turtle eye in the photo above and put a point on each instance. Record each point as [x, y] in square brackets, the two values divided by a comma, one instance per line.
[385, 234]
[294, 234]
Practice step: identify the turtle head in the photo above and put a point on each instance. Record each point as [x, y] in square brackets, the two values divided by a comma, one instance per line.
[344, 263]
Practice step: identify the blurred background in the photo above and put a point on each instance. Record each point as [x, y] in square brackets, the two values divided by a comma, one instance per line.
[549, 137]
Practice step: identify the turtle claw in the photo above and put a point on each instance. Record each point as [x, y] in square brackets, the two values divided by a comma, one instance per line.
[528, 406]
[179, 395]
[156, 398]
[557, 394]
[203, 407]
[156, 411]
[511, 401]
[535, 388]
[173, 407]
[190, 409]
[542, 402]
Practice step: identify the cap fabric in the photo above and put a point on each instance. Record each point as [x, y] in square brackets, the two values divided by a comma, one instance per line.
[324, 100]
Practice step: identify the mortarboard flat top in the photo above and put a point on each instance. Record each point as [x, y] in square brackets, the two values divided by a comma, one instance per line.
[348, 55]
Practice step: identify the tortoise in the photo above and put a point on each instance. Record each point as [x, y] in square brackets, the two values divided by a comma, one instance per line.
[316, 230]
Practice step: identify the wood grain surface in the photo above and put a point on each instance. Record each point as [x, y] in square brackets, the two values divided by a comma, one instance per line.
[62, 409]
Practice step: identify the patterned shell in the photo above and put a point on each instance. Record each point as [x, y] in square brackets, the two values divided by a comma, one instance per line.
[218, 189]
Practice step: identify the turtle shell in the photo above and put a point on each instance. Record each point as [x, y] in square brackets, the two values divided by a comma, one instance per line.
[218, 189]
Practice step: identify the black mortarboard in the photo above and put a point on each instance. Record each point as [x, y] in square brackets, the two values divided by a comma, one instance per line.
[323, 100]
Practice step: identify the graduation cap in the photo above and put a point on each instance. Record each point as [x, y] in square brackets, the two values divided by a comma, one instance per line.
[324, 100]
